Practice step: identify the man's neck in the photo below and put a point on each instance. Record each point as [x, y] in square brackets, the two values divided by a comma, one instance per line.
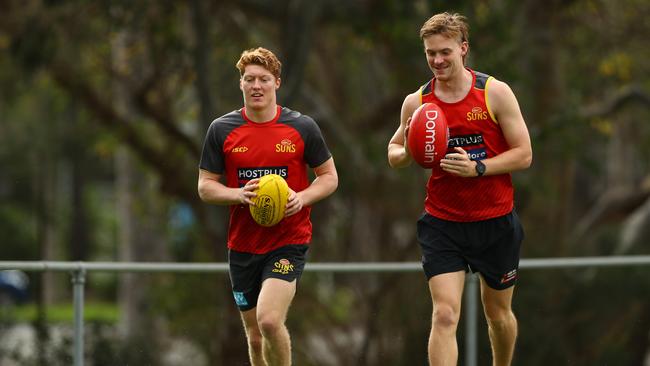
[455, 88]
[263, 115]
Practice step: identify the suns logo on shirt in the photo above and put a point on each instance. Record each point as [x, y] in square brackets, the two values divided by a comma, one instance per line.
[285, 146]
[477, 114]
[239, 149]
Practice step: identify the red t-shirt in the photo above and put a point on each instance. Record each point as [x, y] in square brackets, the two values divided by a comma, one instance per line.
[243, 150]
[472, 127]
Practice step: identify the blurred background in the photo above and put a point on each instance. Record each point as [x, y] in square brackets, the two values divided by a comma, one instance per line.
[103, 110]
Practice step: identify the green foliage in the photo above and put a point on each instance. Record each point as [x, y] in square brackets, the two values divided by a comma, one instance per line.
[80, 80]
[551, 303]
[17, 224]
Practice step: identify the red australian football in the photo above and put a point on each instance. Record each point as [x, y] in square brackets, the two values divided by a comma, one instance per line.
[428, 135]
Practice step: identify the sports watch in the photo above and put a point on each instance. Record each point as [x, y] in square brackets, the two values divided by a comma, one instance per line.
[480, 168]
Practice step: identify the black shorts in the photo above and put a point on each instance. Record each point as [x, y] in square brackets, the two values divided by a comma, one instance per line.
[490, 247]
[248, 271]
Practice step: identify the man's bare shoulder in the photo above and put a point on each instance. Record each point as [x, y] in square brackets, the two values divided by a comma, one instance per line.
[413, 100]
[500, 93]
[498, 86]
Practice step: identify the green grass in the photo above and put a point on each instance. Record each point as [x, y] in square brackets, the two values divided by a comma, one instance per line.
[64, 313]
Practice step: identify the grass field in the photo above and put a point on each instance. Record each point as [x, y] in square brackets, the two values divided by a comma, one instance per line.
[63, 313]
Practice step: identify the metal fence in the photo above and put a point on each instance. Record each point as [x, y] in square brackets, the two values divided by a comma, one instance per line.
[78, 271]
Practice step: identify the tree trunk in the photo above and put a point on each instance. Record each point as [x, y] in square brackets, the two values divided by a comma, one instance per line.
[44, 287]
[46, 194]
[540, 91]
[207, 103]
[127, 295]
[79, 244]
[140, 236]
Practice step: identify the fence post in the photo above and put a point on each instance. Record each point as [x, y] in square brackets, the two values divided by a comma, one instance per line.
[471, 318]
[78, 281]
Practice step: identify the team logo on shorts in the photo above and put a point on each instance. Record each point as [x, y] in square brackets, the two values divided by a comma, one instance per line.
[240, 299]
[509, 276]
[283, 266]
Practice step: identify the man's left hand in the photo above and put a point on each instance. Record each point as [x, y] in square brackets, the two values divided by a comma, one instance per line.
[459, 164]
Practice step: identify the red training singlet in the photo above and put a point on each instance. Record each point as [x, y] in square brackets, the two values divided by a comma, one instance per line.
[244, 150]
[473, 127]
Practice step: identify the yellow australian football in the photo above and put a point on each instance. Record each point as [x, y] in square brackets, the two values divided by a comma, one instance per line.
[271, 200]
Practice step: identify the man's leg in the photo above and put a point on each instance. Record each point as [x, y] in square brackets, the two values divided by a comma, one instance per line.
[446, 293]
[254, 337]
[502, 324]
[272, 307]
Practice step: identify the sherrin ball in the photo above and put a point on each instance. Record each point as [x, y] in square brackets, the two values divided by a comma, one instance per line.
[428, 135]
[271, 200]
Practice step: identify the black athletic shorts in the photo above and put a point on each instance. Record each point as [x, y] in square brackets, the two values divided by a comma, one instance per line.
[490, 247]
[248, 271]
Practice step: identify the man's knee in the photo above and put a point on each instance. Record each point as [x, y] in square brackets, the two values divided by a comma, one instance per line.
[497, 310]
[270, 323]
[502, 320]
[445, 317]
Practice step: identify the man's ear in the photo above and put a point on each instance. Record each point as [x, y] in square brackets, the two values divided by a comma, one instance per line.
[464, 48]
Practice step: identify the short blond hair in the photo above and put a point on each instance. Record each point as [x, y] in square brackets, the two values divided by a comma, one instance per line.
[447, 25]
[260, 56]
